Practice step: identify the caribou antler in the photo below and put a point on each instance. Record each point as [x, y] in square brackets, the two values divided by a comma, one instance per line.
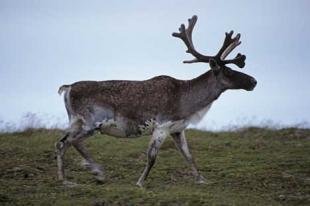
[229, 44]
[186, 36]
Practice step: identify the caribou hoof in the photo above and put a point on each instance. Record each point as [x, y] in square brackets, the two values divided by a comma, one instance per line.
[100, 179]
[85, 164]
[139, 184]
[200, 180]
[69, 184]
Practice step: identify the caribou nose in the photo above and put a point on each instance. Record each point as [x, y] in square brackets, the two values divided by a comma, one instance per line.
[253, 82]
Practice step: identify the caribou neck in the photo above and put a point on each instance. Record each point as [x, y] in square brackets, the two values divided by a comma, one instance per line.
[199, 93]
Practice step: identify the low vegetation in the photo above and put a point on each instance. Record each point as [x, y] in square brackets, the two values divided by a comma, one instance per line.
[252, 166]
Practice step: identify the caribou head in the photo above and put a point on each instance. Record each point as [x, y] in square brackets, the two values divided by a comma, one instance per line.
[227, 77]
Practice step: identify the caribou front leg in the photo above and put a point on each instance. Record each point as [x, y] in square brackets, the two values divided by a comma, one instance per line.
[158, 137]
[181, 144]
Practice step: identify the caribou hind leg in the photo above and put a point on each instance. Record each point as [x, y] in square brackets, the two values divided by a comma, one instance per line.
[60, 148]
[75, 135]
[88, 162]
[181, 144]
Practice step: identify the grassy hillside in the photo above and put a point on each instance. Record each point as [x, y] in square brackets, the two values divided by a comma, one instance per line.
[247, 167]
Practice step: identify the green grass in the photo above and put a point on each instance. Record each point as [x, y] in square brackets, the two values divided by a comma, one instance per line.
[248, 167]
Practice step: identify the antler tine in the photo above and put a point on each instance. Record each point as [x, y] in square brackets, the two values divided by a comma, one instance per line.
[239, 60]
[235, 42]
[186, 36]
[226, 43]
[228, 46]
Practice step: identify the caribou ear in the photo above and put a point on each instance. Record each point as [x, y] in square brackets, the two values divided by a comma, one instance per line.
[214, 66]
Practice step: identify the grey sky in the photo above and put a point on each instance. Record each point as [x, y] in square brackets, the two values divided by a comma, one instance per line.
[45, 44]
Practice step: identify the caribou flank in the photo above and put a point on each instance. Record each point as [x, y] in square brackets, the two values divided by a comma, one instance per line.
[160, 106]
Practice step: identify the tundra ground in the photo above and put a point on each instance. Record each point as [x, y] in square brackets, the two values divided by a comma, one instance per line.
[252, 166]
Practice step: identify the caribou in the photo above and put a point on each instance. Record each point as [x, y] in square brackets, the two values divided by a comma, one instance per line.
[160, 107]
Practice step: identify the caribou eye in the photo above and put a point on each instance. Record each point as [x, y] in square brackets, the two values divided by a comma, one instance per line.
[228, 72]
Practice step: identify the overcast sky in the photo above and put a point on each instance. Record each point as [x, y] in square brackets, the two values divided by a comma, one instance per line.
[44, 44]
